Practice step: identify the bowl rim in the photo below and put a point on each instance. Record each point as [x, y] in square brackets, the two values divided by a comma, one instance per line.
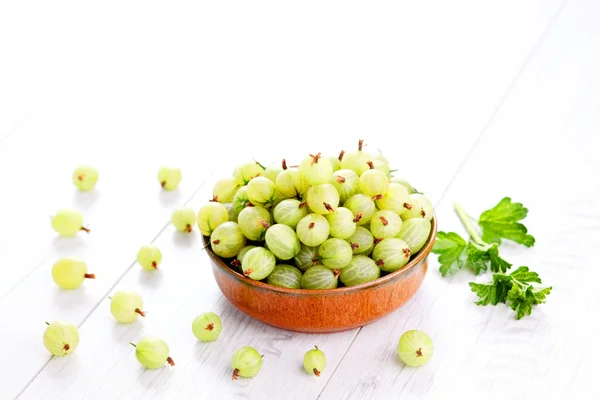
[408, 268]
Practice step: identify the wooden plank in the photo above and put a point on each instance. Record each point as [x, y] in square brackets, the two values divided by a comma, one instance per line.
[541, 151]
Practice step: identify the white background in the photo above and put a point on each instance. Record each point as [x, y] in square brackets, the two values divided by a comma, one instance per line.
[471, 100]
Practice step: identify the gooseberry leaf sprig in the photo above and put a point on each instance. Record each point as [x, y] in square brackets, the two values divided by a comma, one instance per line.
[515, 288]
[455, 253]
[501, 222]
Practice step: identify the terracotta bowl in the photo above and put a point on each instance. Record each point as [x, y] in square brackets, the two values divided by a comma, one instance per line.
[322, 311]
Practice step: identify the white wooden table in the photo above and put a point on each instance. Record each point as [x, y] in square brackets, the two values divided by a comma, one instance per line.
[471, 100]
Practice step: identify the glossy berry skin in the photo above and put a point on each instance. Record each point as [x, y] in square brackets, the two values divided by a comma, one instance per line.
[61, 338]
[360, 270]
[207, 327]
[152, 352]
[225, 189]
[85, 178]
[246, 362]
[210, 216]
[418, 206]
[68, 222]
[258, 263]
[183, 219]
[70, 272]
[169, 178]
[335, 253]
[244, 173]
[285, 276]
[149, 257]
[314, 362]
[415, 348]
[227, 240]
[415, 232]
[125, 306]
[319, 277]
[316, 169]
[282, 241]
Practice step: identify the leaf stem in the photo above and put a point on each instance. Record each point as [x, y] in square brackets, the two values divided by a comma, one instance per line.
[464, 217]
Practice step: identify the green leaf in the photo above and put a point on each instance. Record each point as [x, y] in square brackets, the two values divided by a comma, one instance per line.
[540, 294]
[455, 254]
[522, 299]
[450, 248]
[515, 288]
[501, 222]
[477, 259]
[521, 302]
[524, 275]
[497, 263]
[493, 292]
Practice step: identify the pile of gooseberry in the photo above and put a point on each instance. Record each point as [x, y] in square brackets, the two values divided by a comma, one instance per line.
[329, 222]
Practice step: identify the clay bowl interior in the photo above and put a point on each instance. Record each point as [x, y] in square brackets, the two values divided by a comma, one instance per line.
[322, 311]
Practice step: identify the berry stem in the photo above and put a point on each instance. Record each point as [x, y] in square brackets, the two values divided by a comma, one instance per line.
[131, 343]
[154, 265]
[142, 313]
[163, 184]
[407, 206]
[341, 179]
[370, 164]
[301, 205]
[341, 155]
[315, 159]
[360, 144]
[419, 353]
[465, 220]
[90, 276]
[236, 374]
[85, 229]
[170, 361]
[215, 198]
[47, 323]
[188, 228]
[210, 326]
[317, 372]
[283, 164]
